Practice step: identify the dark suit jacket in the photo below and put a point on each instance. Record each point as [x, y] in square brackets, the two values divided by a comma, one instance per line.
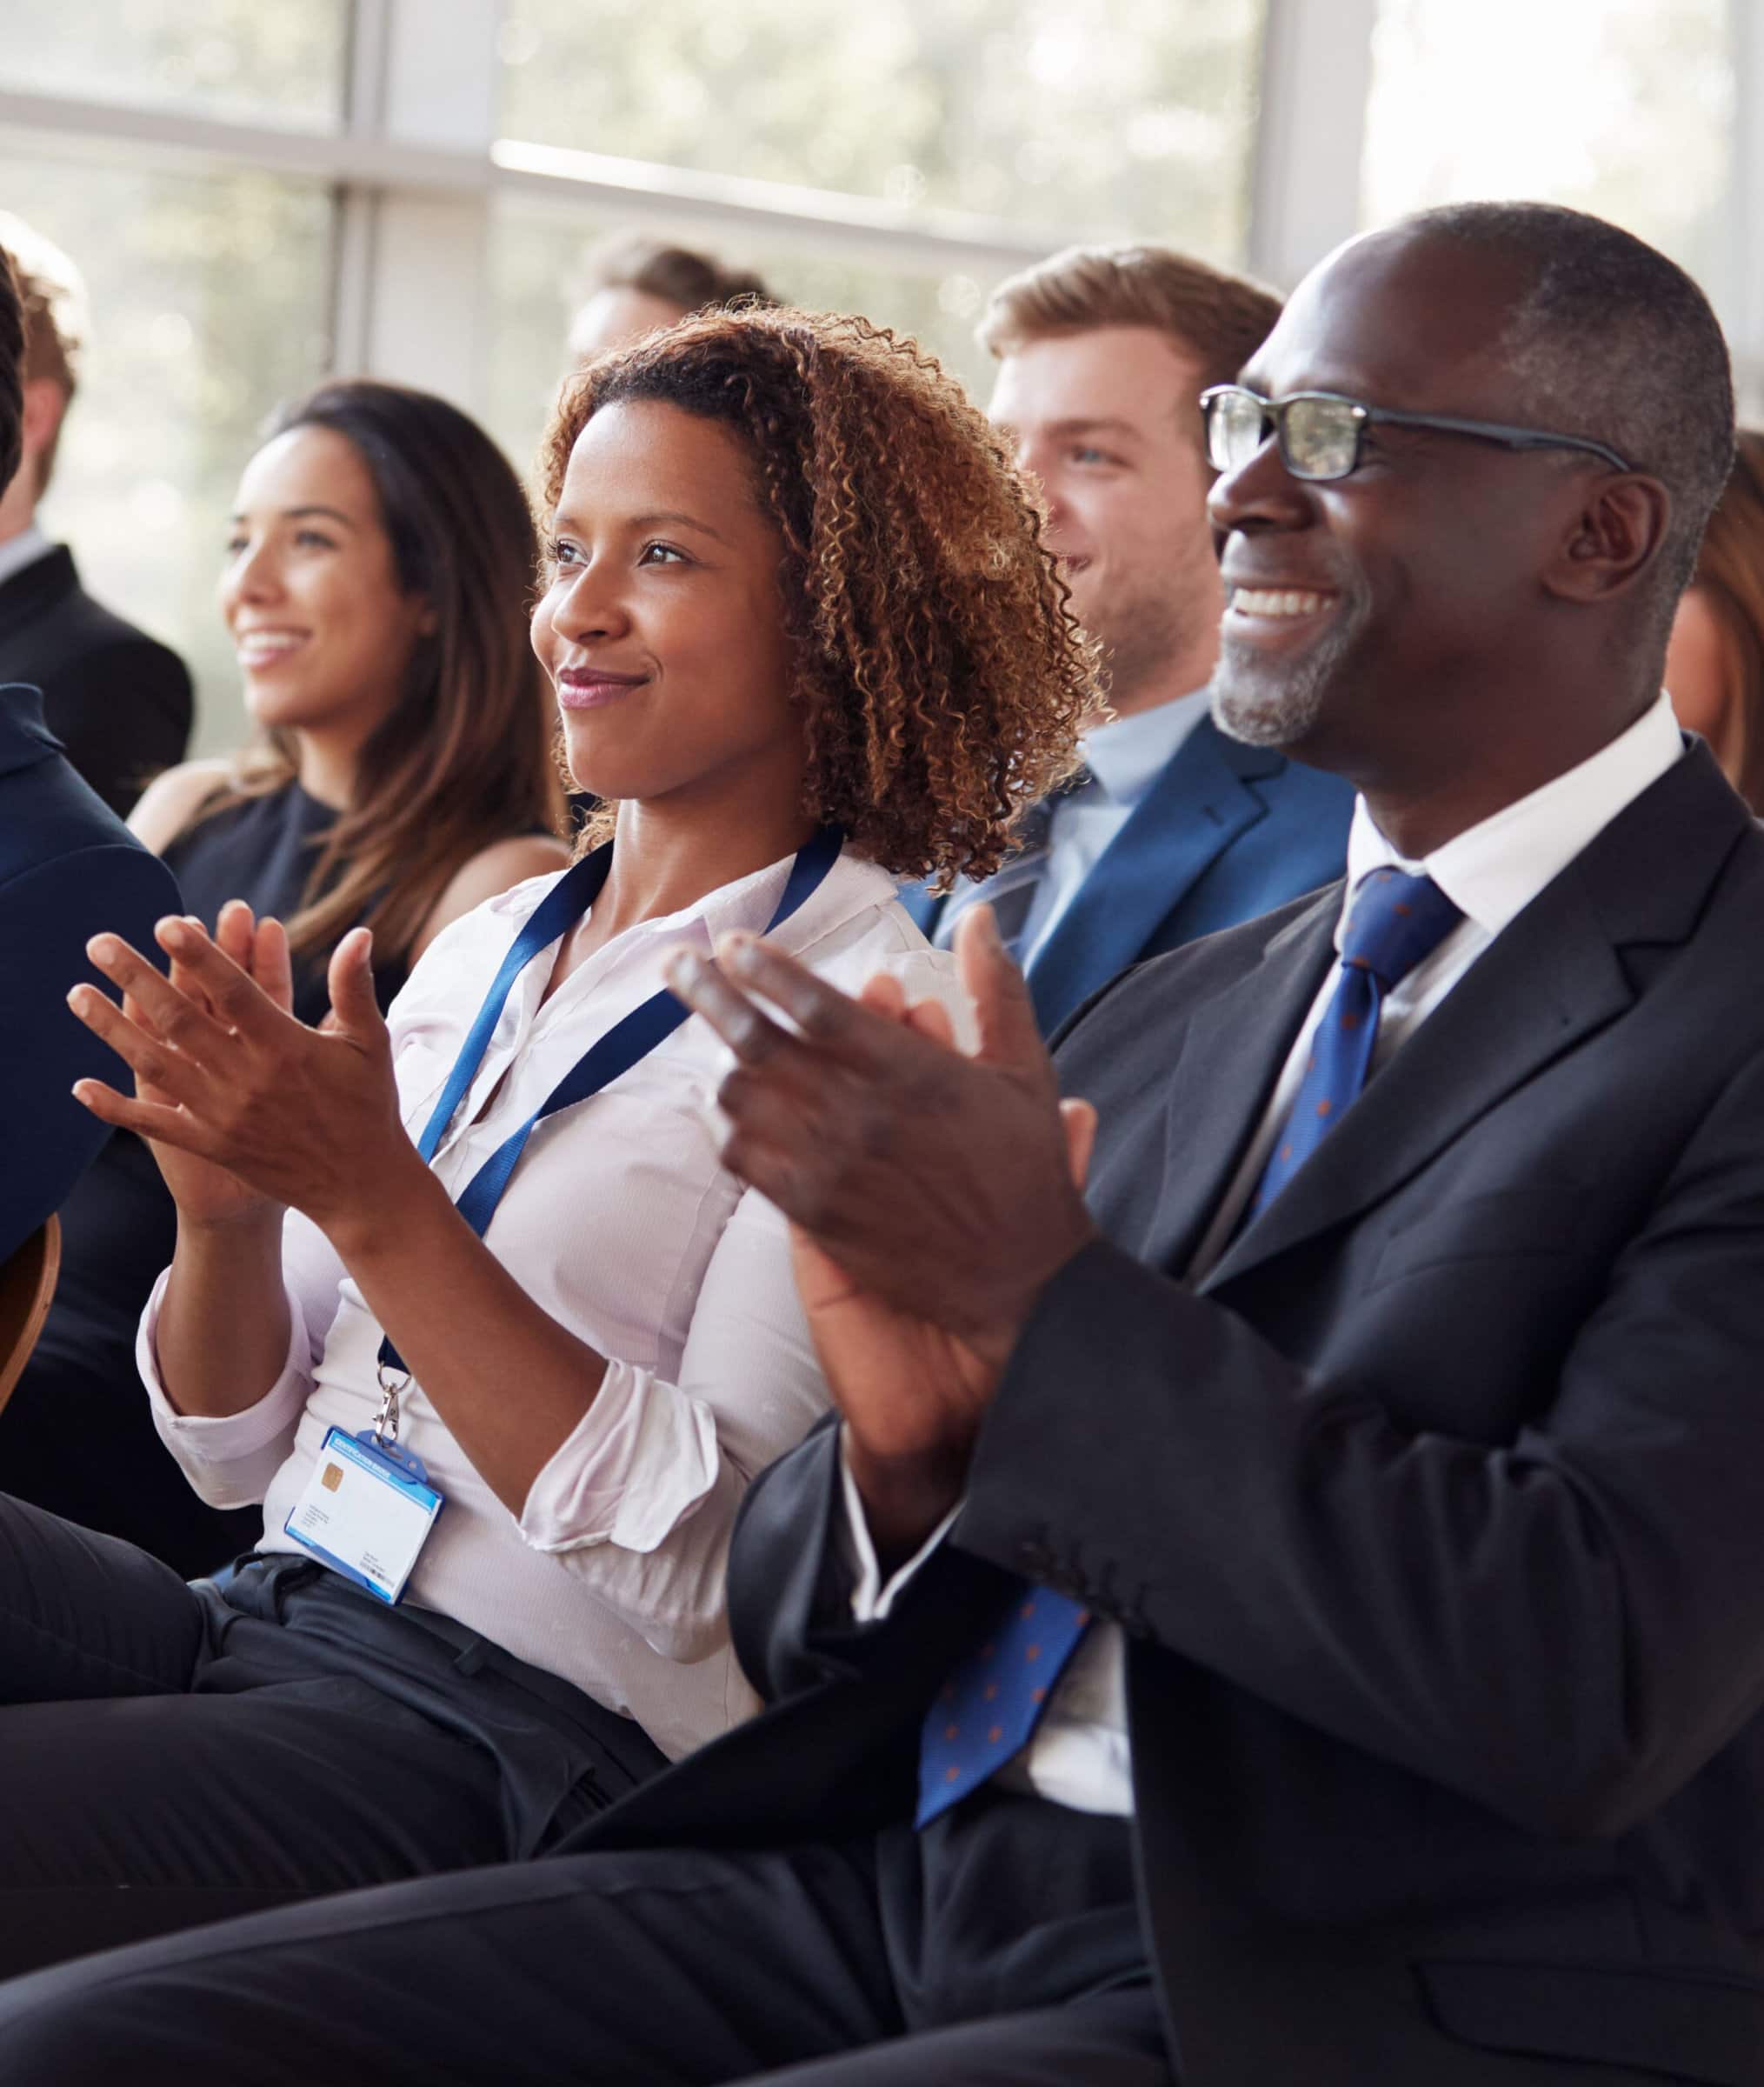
[118, 701]
[1226, 832]
[1435, 1513]
[69, 867]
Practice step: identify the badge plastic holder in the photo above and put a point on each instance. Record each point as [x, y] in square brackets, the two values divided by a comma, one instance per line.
[386, 1464]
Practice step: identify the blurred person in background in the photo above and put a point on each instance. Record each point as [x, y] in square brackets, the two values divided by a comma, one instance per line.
[375, 583]
[118, 700]
[632, 284]
[1172, 830]
[805, 641]
[1714, 665]
[68, 867]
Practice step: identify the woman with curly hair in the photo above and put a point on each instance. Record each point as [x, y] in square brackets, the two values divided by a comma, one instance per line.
[805, 641]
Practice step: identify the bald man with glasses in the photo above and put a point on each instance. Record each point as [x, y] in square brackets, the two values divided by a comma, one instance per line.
[1294, 1612]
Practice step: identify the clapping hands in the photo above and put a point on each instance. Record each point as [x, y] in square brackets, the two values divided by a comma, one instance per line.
[247, 1109]
[931, 1194]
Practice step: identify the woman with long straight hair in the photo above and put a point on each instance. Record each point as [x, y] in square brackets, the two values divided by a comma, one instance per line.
[377, 567]
[467, 1298]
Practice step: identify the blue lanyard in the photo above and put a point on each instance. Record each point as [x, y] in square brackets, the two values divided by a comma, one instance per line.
[621, 1047]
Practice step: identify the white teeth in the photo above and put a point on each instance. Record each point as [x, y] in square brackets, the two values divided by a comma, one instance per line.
[1265, 601]
[262, 645]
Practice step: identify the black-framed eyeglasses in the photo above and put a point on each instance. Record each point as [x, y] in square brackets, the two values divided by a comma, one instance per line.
[1320, 433]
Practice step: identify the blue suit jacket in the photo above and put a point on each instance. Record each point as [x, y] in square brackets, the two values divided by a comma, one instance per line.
[1226, 832]
[69, 867]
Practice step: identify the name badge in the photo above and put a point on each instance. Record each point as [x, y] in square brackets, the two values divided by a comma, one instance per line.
[366, 1512]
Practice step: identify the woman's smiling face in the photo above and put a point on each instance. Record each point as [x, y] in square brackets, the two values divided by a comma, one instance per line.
[661, 625]
[310, 592]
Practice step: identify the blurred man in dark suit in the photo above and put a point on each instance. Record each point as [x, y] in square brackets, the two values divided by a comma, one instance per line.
[118, 701]
[1173, 830]
[69, 868]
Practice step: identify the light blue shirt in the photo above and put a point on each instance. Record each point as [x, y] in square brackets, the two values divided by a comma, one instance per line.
[1125, 758]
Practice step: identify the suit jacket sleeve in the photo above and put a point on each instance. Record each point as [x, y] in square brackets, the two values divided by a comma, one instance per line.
[123, 713]
[789, 1592]
[47, 916]
[1566, 1627]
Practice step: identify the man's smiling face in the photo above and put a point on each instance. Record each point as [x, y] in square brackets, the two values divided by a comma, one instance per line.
[1368, 618]
[1106, 420]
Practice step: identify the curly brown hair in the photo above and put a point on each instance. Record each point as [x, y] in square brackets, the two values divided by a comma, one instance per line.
[941, 677]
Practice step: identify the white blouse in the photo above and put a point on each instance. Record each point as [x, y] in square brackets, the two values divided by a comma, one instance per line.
[621, 1223]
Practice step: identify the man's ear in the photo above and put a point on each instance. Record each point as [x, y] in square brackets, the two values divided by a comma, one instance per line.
[44, 403]
[1613, 539]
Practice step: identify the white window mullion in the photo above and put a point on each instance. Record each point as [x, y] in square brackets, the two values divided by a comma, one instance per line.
[1305, 182]
[413, 262]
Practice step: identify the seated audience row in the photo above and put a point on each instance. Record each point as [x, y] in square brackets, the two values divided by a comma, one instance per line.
[586, 1358]
[1269, 1599]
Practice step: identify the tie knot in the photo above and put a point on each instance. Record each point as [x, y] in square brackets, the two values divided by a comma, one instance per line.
[1396, 923]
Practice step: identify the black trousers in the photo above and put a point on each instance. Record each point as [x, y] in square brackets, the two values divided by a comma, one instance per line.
[171, 1754]
[81, 1444]
[1002, 1946]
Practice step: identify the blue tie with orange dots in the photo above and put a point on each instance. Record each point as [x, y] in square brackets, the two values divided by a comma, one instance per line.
[993, 1701]
[1396, 923]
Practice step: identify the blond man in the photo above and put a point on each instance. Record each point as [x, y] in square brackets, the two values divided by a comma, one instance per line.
[1174, 831]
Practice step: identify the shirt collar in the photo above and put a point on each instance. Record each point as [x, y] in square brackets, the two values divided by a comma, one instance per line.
[851, 886]
[25, 549]
[1126, 754]
[1492, 871]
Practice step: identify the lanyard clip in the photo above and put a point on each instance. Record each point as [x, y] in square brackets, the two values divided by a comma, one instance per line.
[386, 1420]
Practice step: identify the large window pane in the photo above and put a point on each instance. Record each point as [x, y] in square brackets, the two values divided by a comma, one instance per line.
[1099, 117]
[535, 266]
[285, 59]
[209, 300]
[1621, 107]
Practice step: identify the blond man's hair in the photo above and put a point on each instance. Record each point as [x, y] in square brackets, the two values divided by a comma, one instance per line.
[1220, 319]
[57, 321]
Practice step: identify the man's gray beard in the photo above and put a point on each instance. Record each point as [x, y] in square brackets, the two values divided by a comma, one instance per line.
[1261, 712]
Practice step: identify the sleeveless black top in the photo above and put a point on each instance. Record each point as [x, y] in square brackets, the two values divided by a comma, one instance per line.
[120, 1224]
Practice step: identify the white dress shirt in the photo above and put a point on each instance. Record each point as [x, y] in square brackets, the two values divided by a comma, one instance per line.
[1124, 757]
[25, 549]
[621, 1222]
[1080, 1755]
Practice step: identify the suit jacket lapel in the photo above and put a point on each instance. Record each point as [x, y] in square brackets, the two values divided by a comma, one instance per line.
[1550, 979]
[1197, 808]
[37, 588]
[1231, 1053]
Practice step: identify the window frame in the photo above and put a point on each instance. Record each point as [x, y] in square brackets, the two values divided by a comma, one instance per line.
[416, 164]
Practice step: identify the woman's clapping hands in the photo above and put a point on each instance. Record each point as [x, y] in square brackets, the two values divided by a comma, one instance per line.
[247, 1108]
